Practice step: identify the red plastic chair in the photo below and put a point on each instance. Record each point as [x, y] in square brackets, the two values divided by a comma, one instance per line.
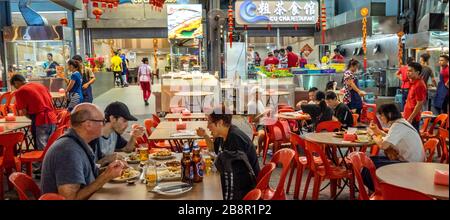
[63, 118]
[441, 120]
[254, 131]
[23, 184]
[277, 133]
[3, 101]
[367, 108]
[8, 161]
[430, 147]
[11, 104]
[52, 196]
[156, 120]
[358, 161]
[292, 123]
[149, 126]
[285, 106]
[301, 163]
[324, 171]
[426, 122]
[254, 194]
[290, 109]
[283, 156]
[391, 192]
[443, 136]
[329, 126]
[38, 155]
[263, 180]
[355, 119]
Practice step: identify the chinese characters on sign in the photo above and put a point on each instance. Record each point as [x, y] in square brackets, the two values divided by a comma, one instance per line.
[277, 12]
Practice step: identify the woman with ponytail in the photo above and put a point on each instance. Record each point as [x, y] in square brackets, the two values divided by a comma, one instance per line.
[74, 85]
[352, 95]
[319, 112]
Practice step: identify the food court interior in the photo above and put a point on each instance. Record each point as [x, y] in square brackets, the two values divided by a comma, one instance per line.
[161, 93]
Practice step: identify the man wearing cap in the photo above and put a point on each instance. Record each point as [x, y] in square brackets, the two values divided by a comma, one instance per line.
[117, 116]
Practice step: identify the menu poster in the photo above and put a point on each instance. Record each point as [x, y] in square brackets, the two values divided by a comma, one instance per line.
[184, 21]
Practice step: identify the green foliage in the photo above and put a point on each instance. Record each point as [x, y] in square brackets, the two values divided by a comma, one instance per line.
[276, 73]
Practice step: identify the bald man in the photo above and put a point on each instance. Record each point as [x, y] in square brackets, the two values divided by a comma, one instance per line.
[69, 166]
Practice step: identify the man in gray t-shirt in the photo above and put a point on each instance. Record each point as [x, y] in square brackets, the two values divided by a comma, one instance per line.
[117, 116]
[69, 165]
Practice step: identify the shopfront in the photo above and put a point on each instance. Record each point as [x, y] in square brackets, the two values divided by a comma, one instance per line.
[274, 25]
[34, 31]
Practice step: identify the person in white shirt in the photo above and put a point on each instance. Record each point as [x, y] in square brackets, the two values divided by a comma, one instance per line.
[256, 111]
[144, 78]
[401, 144]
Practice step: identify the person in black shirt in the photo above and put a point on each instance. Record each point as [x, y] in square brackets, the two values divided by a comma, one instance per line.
[318, 112]
[341, 111]
[228, 137]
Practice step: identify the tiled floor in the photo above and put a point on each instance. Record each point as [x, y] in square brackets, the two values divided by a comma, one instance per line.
[132, 97]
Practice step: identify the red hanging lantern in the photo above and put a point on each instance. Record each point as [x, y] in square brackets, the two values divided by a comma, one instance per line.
[97, 12]
[230, 24]
[63, 21]
[296, 26]
[95, 4]
[269, 27]
[104, 5]
[324, 21]
[85, 3]
[245, 27]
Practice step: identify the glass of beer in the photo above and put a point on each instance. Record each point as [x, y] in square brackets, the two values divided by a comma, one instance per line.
[151, 175]
[208, 163]
[143, 153]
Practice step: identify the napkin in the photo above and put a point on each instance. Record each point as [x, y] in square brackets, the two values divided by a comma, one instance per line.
[184, 133]
[352, 130]
[441, 177]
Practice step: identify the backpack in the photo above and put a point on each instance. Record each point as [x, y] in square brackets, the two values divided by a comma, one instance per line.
[236, 175]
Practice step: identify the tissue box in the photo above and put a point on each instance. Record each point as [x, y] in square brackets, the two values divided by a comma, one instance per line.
[186, 113]
[349, 137]
[441, 177]
[181, 126]
[10, 118]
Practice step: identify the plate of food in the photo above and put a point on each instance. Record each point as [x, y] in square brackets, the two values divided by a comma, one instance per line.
[172, 188]
[163, 155]
[362, 139]
[127, 174]
[166, 174]
[361, 132]
[132, 158]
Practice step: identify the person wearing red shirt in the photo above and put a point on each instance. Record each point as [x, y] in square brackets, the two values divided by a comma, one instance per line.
[271, 60]
[34, 101]
[338, 58]
[441, 99]
[292, 57]
[402, 75]
[417, 95]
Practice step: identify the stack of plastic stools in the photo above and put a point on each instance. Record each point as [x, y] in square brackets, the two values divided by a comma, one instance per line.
[365, 110]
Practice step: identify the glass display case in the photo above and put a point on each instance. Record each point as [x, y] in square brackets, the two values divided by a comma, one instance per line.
[27, 48]
[186, 55]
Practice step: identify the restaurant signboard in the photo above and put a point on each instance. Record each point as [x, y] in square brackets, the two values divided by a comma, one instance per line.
[276, 12]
